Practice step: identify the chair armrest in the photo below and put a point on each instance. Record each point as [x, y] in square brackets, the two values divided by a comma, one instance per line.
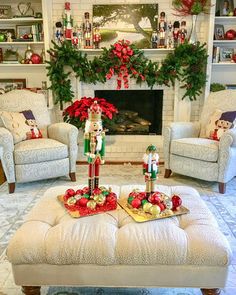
[67, 134]
[7, 144]
[227, 156]
[178, 130]
[184, 129]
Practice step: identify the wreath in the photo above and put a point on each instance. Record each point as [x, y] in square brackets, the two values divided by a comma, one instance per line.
[124, 60]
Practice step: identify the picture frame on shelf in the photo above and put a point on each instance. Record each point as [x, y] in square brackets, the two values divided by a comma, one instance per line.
[119, 21]
[24, 32]
[5, 11]
[219, 32]
[7, 85]
[226, 7]
[6, 31]
[226, 54]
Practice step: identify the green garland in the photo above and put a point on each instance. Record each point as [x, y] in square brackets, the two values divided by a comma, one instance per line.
[187, 64]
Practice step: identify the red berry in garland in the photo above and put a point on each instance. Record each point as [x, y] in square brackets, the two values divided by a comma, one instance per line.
[70, 192]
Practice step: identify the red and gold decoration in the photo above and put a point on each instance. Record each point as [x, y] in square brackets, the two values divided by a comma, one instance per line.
[120, 55]
[151, 204]
[81, 203]
[144, 207]
[230, 34]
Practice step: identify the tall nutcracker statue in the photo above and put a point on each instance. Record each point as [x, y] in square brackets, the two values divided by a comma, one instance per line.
[170, 36]
[67, 22]
[176, 33]
[87, 30]
[94, 144]
[150, 168]
[80, 37]
[162, 29]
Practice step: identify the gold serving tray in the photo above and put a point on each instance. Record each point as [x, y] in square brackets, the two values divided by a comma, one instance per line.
[140, 216]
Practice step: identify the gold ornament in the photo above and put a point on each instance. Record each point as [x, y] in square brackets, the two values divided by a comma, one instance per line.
[91, 204]
[155, 210]
[99, 199]
[71, 201]
[146, 207]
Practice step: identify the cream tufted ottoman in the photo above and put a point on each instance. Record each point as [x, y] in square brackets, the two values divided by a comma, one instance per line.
[110, 249]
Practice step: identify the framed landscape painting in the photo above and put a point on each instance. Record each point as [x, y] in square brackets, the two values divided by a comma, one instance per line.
[133, 22]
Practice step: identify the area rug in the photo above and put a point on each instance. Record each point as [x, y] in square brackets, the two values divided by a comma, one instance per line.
[14, 207]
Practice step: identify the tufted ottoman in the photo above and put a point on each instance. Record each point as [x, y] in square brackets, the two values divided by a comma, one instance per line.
[110, 249]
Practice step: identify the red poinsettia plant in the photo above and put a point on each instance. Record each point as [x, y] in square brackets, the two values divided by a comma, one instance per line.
[77, 113]
[190, 7]
[122, 57]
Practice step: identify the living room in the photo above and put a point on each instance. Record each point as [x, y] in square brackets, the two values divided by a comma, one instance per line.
[126, 107]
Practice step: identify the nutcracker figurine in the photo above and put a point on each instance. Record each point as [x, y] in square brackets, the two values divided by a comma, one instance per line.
[150, 167]
[162, 29]
[94, 144]
[58, 33]
[80, 37]
[75, 39]
[67, 22]
[170, 36]
[176, 33]
[183, 32]
[154, 39]
[87, 30]
[96, 37]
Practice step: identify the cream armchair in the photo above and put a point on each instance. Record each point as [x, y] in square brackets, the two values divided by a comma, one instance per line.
[187, 152]
[52, 156]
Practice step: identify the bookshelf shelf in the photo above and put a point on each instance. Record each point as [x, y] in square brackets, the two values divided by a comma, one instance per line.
[21, 20]
[21, 43]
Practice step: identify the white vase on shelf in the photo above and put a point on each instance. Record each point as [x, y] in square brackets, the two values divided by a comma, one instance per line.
[193, 34]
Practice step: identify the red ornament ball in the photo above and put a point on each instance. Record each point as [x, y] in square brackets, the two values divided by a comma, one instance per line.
[234, 58]
[70, 192]
[176, 201]
[136, 203]
[35, 58]
[83, 202]
[230, 35]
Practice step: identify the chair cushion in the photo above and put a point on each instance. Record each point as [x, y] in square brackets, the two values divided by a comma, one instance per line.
[40, 150]
[196, 148]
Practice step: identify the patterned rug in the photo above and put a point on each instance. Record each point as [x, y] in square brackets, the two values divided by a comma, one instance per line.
[14, 207]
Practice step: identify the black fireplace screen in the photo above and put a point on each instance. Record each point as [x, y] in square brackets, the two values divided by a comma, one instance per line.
[140, 111]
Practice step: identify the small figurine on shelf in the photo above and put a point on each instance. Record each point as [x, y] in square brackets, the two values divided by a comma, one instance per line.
[96, 37]
[150, 167]
[162, 29]
[9, 37]
[170, 36]
[183, 32]
[87, 30]
[67, 21]
[226, 10]
[154, 39]
[75, 39]
[94, 144]
[28, 53]
[176, 33]
[80, 37]
[58, 33]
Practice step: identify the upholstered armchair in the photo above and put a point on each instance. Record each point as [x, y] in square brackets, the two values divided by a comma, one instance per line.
[52, 156]
[187, 151]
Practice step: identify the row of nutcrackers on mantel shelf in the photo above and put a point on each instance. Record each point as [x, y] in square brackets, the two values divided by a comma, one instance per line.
[87, 36]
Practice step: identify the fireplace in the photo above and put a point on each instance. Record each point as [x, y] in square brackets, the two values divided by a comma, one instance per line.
[140, 111]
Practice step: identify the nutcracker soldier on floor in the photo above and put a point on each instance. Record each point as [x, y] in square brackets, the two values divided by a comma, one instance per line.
[94, 144]
[150, 168]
